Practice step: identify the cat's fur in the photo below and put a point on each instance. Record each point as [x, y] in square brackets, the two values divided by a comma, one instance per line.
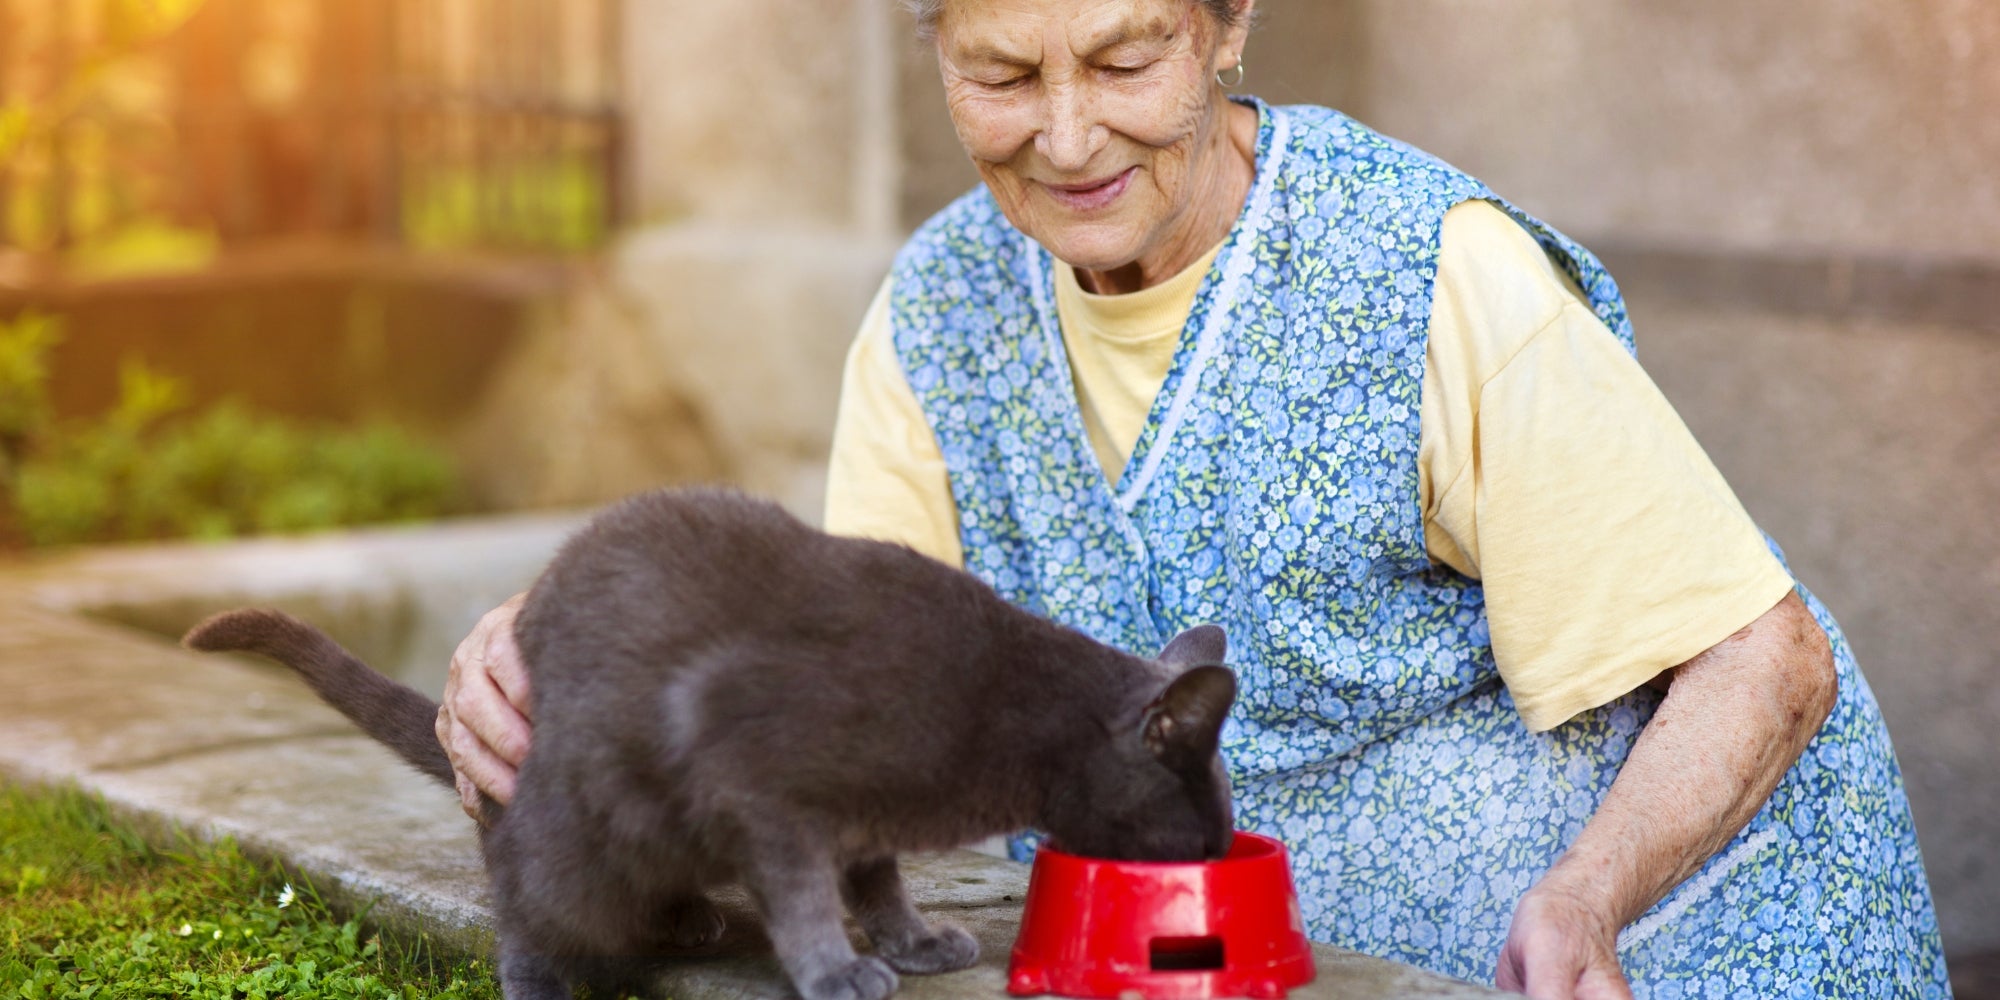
[724, 694]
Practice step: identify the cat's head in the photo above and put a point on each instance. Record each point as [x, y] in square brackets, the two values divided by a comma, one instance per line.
[1156, 789]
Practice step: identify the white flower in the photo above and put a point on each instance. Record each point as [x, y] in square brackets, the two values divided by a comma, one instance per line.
[218, 934]
[285, 897]
[185, 930]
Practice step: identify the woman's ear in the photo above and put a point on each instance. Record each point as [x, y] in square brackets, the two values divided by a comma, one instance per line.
[1229, 54]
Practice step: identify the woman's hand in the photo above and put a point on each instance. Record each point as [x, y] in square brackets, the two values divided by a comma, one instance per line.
[483, 722]
[1561, 949]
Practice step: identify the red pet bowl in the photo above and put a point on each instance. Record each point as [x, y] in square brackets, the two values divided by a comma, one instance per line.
[1227, 928]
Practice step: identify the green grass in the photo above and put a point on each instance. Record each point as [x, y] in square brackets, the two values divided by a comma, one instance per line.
[88, 908]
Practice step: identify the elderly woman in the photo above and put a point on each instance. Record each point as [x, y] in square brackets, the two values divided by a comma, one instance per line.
[1526, 692]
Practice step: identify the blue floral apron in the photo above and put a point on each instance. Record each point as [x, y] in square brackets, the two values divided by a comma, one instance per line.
[1274, 491]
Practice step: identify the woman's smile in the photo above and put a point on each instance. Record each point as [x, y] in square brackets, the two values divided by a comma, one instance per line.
[1089, 196]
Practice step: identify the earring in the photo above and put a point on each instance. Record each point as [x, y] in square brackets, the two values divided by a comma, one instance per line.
[1237, 69]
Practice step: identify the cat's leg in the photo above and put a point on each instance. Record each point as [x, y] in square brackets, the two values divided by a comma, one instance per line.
[797, 887]
[528, 976]
[876, 897]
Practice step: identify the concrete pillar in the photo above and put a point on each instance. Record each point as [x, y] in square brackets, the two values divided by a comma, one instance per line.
[767, 179]
[747, 111]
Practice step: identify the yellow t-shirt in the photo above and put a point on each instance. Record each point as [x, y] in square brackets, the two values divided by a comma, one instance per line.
[1549, 465]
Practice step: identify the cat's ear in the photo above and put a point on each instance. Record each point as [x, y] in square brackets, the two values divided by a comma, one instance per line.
[1199, 646]
[1183, 726]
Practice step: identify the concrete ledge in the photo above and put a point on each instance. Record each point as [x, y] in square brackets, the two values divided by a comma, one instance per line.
[399, 597]
[1964, 294]
[222, 747]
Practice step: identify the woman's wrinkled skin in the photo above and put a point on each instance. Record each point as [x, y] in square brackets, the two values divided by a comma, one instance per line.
[483, 718]
[1735, 719]
[1100, 129]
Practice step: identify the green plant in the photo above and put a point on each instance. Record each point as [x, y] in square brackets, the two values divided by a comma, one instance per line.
[24, 376]
[151, 468]
[90, 909]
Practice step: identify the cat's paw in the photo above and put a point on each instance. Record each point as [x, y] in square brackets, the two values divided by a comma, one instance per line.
[692, 922]
[943, 948]
[865, 978]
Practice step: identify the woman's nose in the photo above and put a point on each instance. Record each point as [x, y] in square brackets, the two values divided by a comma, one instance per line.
[1070, 136]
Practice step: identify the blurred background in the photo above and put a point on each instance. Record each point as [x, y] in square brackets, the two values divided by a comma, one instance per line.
[279, 265]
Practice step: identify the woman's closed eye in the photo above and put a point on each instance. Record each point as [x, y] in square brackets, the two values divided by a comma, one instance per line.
[1006, 83]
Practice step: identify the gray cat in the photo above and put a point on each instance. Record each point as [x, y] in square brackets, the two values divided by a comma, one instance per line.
[723, 694]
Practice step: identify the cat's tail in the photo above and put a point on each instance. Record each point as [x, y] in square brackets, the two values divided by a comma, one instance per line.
[396, 716]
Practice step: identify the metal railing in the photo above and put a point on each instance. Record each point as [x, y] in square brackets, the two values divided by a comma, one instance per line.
[462, 124]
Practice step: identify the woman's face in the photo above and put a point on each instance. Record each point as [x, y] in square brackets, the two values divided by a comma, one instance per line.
[1097, 124]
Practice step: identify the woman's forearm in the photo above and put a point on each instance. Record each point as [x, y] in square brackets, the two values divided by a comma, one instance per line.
[1735, 719]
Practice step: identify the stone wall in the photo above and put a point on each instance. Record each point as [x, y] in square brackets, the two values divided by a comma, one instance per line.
[1844, 126]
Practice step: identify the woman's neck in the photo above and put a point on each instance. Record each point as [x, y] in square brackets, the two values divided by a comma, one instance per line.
[1229, 170]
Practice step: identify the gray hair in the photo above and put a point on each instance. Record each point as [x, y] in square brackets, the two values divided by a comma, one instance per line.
[926, 12]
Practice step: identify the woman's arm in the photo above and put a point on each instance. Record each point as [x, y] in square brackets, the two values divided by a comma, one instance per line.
[1735, 719]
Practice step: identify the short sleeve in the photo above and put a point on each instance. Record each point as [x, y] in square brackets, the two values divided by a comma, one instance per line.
[886, 477]
[1608, 545]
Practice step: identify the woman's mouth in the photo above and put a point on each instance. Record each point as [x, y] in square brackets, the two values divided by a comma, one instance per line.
[1091, 195]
